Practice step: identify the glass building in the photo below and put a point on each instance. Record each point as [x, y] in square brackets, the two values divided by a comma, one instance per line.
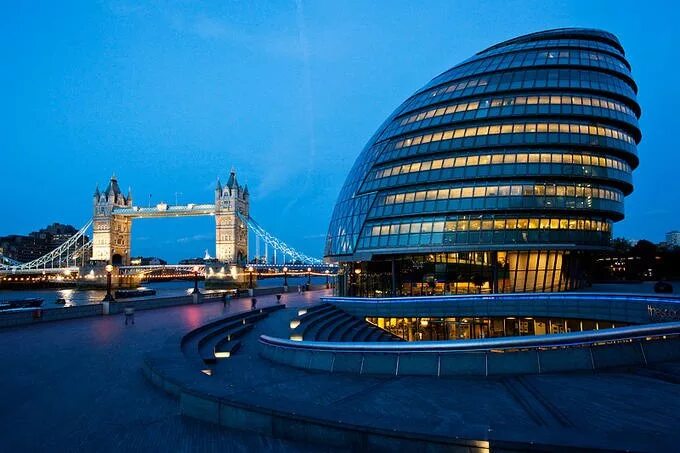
[502, 174]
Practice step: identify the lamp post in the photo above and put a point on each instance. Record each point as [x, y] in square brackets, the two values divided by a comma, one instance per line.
[309, 277]
[285, 276]
[358, 272]
[250, 270]
[109, 296]
[195, 291]
[328, 284]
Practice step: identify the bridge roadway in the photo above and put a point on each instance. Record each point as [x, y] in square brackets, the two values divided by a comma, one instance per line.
[77, 385]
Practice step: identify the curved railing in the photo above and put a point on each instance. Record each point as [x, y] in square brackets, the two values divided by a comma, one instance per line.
[624, 346]
[571, 339]
[575, 296]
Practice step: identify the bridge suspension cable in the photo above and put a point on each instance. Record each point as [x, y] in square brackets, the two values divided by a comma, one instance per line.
[66, 255]
[277, 244]
[76, 250]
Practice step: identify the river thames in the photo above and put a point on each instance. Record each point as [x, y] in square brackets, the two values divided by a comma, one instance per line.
[74, 296]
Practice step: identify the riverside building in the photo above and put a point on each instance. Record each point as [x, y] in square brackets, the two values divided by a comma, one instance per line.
[502, 174]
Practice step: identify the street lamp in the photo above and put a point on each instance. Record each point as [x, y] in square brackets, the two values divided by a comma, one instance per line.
[358, 283]
[250, 269]
[309, 277]
[285, 276]
[109, 296]
[328, 284]
[195, 269]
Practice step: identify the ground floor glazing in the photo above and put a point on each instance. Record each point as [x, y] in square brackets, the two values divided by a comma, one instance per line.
[463, 273]
[469, 328]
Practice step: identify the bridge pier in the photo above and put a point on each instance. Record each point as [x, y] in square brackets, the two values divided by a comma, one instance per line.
[93, 276]
[227, 276]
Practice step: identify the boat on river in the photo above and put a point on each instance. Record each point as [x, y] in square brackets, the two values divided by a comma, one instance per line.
[31, 302]
[139, 292]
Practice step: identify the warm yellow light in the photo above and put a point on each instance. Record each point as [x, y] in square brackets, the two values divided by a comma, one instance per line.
[357, 271]
[109, 268]
[195, 268]
[285, 269]
[327, 271]
[250, 268]
[294, 323]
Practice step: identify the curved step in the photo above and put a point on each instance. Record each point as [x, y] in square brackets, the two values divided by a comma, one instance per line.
[308, 321]
[363, 333]
[250, 319]
[207, 351]
[193, 344]
[314, 308]
[333, 334]
[315, 333]
[348, 334]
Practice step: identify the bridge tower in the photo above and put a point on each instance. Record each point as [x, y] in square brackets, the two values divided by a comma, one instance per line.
[231, 233]
[111, 233]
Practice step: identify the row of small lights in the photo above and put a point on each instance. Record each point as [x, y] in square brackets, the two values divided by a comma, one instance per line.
[42, 278]
[109, 268]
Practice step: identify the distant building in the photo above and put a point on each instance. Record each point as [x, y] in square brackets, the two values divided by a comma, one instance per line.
[147, 261]
[37, 243]
[673, 238]
[192, 261]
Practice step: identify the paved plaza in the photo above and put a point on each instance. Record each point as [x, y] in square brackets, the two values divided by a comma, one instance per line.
[77, 385]
[634, 409]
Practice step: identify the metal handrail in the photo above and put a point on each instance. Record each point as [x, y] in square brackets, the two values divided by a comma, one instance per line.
[508, 296]
[571, 339]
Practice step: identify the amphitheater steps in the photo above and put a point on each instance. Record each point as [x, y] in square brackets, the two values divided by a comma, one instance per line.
[220, 339]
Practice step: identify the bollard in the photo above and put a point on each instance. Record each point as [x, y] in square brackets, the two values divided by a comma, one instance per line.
[278, 298]
[129, 312]
[253, 303]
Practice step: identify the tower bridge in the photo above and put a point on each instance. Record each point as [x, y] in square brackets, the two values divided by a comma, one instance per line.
[111, 231]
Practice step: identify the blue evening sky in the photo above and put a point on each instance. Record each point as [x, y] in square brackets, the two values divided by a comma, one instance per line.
[171, 95]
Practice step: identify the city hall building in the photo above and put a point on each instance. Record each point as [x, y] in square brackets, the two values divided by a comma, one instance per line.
[502, 174]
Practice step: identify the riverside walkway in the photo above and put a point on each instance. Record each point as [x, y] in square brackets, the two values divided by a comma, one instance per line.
[77, 385]
[629, 409]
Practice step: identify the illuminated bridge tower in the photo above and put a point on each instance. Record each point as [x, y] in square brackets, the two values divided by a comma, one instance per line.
[231, 234]
[111, 233]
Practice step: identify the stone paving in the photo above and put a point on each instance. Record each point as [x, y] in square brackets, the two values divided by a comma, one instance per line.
[77, 385]
[635, 409]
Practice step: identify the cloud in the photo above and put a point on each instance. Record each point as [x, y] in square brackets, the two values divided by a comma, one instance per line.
[194, 238]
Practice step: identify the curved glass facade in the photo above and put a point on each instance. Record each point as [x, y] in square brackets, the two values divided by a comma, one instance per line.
[500, 174]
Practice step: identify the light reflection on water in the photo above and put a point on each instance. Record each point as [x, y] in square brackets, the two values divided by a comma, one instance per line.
[163, 289]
